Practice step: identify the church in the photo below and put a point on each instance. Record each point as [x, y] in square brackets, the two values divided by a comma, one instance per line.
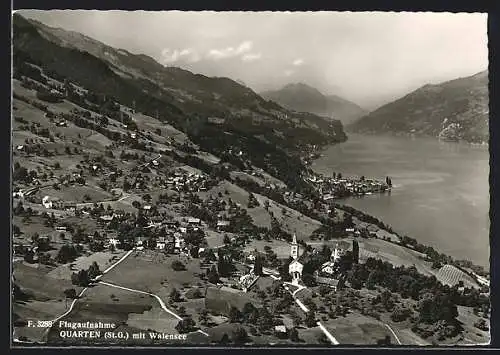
[295, 268]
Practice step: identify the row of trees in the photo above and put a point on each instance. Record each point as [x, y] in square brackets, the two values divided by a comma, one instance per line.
[84, 277]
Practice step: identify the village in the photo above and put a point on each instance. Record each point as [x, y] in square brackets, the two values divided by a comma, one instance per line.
[111, 208]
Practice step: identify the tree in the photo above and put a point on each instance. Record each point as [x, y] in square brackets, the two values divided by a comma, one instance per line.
[294, 334]
[400, 313]
[226, 239]
[185, 325]
[29, 256]
[322, 339]
[81, 278]
[249, 313]
[175, 295]
[94, 270]
[70, 293]
[136, 204]
[384, 341]
[265, 319]
[178, 265]
[371, 281]
[213, 275]
[239, 335]
[224, 340]
[283, 270]
[234, 315]
[481, 324]
[310, 319]
[203, 316]
[257, 267]
[66, 254]
[355, 252]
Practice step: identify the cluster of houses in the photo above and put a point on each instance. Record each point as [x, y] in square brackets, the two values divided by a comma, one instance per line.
[175, 232]
[181, 180]
[331, 188]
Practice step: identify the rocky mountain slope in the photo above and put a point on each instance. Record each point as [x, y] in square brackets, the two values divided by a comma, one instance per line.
[304, 98]
[455, 110]
[200, 106]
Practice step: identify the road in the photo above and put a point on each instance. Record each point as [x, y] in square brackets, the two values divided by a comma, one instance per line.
[392, 331]
[98, 281]
[160, 301]
[86, 288]
[325, 331]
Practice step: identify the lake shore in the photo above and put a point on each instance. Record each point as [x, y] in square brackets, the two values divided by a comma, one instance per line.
[439, 195]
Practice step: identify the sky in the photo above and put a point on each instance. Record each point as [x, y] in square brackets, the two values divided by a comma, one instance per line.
[369, 58]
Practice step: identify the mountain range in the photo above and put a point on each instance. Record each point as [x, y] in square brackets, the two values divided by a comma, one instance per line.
[304, 98]
[455, 110]
[176, 96]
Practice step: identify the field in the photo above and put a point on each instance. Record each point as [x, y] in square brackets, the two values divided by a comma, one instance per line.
[472, 335]
[36, 281]
[292, 221]
[238, 195]
[215, 239]
[281, 248]
[147, 270]
[385, 251]
[75, 193]
[103, 259]
[356, 329]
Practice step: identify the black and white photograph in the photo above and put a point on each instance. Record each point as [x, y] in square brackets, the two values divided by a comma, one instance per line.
[249, 179]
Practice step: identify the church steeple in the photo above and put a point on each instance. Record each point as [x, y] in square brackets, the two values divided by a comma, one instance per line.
[294, 251]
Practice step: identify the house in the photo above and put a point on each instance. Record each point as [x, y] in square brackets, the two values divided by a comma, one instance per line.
[47, 202]
[222, 224]
[179, 242]
[194, 221]
[62, 123]
[20, 147]
[216, 120]
[334, 282]
[295, 269]
[61, 228]
[113, 241]
[147, 207]
[247, 281]
[280, 331]
[106, 218]
[140, 241]
[372, 229]
[328, 197]
[18, 194]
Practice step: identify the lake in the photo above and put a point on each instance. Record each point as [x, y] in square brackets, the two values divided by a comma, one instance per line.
[440, 192]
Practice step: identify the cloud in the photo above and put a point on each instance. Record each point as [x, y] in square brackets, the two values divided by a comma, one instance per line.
[230, 52]
[249, 57]
[176, 55]
[297, 62]
[288, 72]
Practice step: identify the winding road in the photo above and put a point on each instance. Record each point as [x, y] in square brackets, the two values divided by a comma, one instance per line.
[392, 331]
[98, 281]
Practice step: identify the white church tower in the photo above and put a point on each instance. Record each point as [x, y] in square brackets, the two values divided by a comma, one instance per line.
[294, 252]
[295, 267]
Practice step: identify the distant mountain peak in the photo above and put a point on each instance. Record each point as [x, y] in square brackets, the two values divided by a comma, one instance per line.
[455, 110]
[305, 98]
